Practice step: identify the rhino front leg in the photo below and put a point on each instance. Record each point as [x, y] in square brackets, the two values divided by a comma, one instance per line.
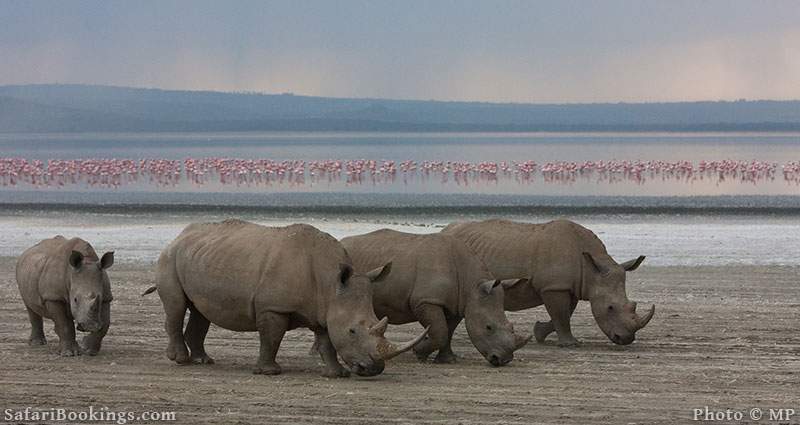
[438, 337]
[559, 307]
[445, 354]
[542, 329]
[65, 328]
[195, 336]
[37, 329]
[271, 328]
[92, 341]
[328, 353]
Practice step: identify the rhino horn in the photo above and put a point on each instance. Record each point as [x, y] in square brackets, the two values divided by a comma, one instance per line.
[388, 350]
[379, 328]
[643, 321]
[520, 341]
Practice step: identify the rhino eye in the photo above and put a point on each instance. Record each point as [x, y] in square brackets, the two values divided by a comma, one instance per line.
[352, 331]
[75, 299]
[611, 308]
[489, 328]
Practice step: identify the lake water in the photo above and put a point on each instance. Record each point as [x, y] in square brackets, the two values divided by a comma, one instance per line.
[778, 148]
[697, 221]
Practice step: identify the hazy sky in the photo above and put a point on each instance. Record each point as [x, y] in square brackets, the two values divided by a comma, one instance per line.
[520, 51]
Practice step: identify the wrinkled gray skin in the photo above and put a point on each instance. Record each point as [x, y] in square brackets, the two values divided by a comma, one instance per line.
[437, 281]
[566, 263]
[63, 280]
[246, 277]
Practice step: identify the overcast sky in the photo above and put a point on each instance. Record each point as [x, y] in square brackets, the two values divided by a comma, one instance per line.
[526, 51]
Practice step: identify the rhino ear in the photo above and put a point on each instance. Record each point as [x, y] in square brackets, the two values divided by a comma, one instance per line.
[345, 271]
[487, 286]
[508, 283]
[107, 260]
[632, 265]
[76, 259]
[380, 273]
[599, 268]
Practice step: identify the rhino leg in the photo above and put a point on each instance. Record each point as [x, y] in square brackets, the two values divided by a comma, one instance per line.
[328, 353]
[92, 341]
[438, 336]
[65, 328]
[37, 329]
[195, 336]
[175, 304]
[542, 329]
[445, 354]
[271, 328]
[559, 307]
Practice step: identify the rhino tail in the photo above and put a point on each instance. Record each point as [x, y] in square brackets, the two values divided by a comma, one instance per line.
[150, 290]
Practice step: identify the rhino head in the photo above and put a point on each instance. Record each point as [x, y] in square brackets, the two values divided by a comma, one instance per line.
[615, 314]
[353, 328]
[488, 328]
[88, 281]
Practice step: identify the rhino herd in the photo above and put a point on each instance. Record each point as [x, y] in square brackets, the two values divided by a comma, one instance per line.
[251, 278]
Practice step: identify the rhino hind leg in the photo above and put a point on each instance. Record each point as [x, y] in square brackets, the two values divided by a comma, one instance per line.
[560, 305]
[271, 328]
[37, 329]
[195, 337]
[175, 304]
[327, 351]
[439, 335]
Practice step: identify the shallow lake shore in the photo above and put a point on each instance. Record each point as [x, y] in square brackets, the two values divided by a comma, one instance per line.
[724, 337]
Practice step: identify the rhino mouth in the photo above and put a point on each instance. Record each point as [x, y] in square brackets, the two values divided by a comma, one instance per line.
[90, 327]
[367, 369]
[498, 361]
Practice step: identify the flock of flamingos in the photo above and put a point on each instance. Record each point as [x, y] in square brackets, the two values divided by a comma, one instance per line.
[114, 173]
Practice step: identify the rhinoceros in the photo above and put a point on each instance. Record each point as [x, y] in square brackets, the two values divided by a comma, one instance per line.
[437, 281]
[64, 280]
[247, 277]
[566, 263]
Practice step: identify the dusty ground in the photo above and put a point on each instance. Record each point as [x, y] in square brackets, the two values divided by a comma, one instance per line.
[722, 337]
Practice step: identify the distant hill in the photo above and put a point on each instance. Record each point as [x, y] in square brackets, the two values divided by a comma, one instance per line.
[81, 108]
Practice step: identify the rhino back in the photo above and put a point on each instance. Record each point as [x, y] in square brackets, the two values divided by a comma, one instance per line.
[42, 270]
[229, 270]
[550, 253]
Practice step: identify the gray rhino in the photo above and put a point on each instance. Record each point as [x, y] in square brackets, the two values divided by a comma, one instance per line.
[64, 280]
[246, 277]
[566, 263]
[437, 281]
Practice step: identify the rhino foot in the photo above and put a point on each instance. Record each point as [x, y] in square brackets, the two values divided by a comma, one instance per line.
[179, 354]
[70, 350]
[446, 358]
[201, 359]
[569, 343]
[541, 330]
[336, 373]
[267, 369]
[37, 340]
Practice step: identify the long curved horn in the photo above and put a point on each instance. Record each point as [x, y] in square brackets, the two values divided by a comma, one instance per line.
[379, 328]
[643, 321]
[387, 350]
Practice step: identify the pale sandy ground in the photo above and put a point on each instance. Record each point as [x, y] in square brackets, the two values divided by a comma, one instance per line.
[723, 337]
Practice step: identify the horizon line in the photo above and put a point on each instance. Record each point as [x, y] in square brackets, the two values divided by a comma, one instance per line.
[484, 102]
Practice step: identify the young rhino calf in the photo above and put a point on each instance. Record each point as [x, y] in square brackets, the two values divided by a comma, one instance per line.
[63, 280]
[246, 277]
[437, 281]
